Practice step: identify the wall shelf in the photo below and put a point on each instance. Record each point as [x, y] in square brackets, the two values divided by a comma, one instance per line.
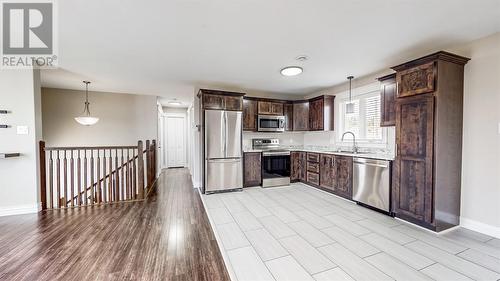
[9, 155]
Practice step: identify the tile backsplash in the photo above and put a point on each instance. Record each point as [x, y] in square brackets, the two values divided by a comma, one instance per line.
[321, 140]
[286, 138]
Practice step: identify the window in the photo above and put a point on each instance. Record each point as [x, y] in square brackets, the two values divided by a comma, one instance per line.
[364, 122]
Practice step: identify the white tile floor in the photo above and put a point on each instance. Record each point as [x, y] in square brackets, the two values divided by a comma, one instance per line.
[302, 233]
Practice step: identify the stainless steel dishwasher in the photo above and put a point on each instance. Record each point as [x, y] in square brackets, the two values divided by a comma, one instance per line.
[371, 182]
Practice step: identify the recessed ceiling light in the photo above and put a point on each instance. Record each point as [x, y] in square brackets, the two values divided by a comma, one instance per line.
[302, 58]
[291, 70]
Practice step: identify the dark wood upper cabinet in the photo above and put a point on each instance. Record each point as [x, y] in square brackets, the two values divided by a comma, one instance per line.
[306, 115]
[429, 116]
[416, 80]
[252, 169]
[388, 100]
[213, 101]
[221, 100]
[321, 112]
[316, 108]
[343, 176]
[270, 108]
[249, 115]
[301, 116]
[327, 172]
[288, 112]
[233, 103]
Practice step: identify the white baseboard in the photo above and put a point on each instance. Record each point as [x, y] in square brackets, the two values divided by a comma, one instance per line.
[480, 227]
[20, 209]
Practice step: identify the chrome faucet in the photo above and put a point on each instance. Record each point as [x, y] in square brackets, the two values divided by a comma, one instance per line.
[354, 146]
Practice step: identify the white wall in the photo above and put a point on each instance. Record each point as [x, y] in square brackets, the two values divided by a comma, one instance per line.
[19, 184]
[480, 206]
[124, 118]
[198, 152]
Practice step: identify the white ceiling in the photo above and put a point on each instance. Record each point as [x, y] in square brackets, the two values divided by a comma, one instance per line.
[168, 48]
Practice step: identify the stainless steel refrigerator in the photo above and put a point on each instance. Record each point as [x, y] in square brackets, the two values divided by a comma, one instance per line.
[223, 152]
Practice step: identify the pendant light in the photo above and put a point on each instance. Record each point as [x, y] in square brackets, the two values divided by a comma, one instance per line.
[86, 119]
[349, 107]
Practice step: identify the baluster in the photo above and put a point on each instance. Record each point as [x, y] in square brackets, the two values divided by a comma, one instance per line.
[58, 180]
[134, 178]
[129, 189]
[98, 170]
[92, 189]
[51, 180]
[140, 170]
[85, 166]
[148, 164]
[117, 177]
[110, 181]
[104, 186]
[79, 175]
[72, 177]
[122, 175]
[65, 184]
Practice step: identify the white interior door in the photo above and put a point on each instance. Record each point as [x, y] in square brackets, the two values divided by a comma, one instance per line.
[176, 140]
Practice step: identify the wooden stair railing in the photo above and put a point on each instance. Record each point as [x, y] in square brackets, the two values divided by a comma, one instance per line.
[95, 175]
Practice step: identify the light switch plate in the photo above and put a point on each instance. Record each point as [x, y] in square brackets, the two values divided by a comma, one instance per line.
[22, 130]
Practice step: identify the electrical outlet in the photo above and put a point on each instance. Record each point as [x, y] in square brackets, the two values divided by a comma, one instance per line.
[22, 130]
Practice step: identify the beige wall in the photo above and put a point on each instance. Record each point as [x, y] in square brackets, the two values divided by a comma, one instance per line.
[19, 185]
[480, 206]
[124, 118]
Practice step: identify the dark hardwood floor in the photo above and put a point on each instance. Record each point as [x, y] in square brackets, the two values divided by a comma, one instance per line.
[167, 237]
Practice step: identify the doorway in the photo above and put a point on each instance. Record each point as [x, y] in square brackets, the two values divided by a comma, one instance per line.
[175, 136]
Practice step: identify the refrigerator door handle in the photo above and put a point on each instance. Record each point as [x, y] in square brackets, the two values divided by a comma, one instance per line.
[225, 134]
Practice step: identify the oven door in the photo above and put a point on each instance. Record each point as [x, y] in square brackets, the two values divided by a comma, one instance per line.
[271, 123]
[275, 170]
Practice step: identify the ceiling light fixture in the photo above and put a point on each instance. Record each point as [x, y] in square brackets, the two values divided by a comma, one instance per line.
[349, 107]
[302, 58]
[291, 71]
[174, 102]
[86, 118]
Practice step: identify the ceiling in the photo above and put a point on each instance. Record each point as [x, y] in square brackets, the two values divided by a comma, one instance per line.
[168, 48]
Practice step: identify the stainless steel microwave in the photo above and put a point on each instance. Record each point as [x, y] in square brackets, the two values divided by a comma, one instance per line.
[269, 123]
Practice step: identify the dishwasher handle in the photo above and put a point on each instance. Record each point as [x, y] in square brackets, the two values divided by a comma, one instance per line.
[371, 162]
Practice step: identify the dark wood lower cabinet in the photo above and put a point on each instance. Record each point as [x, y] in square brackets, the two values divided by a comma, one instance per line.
[312, 168]
[343, 168]
[327, 171]
[252, 169]
[298, 159]
[312, 178]
[412, 183]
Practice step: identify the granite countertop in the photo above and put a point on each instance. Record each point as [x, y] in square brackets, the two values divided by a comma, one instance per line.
[381, 156]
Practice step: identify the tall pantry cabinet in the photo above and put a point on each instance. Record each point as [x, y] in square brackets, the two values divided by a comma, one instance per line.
[427, 168]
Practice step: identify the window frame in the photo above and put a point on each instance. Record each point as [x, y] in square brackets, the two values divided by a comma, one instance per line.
[362, 111]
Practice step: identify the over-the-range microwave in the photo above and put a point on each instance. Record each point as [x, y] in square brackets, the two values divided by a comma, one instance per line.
[270, 123]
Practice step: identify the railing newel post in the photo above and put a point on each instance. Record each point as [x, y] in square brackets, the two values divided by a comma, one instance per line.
[140, 168]
[43, 180]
